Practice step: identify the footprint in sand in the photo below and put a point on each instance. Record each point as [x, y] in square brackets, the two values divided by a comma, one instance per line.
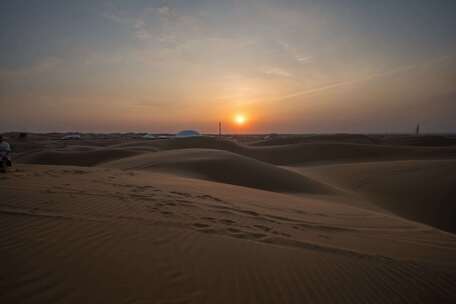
[264, 228]
[233, 230]
[280, 233]
[248, 235]
[227, 222]
[208, 218]
[209, 197]
[249, 212]
[181, 193]
[200, 225]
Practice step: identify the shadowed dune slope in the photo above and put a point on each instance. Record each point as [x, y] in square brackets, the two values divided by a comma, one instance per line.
[63, 153]
[419, 190]
[423, 140]
[312, 152]
[402, 140]
[222, 166]
[335, 138]
[75, 157]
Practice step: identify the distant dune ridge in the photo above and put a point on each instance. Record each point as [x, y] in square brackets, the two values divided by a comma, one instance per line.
[312, 152]
[421, 140]
[76, 158]
[299, 153]
[289, 219]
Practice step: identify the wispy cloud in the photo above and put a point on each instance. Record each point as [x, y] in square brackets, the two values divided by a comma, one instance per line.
[304, 59]
[164, 11]
[395, 71]
[136, 23]
[276, 71]
[294, 53]
[154, 24]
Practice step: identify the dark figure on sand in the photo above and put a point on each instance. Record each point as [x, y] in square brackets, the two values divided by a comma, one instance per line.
[5, 151]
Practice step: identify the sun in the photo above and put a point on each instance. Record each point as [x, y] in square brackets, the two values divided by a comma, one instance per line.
[240, 119]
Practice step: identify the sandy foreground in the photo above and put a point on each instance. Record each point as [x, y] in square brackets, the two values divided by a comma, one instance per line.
[206, 222]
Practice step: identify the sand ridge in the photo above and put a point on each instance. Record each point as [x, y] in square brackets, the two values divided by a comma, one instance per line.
[421, 190]
[50, 152]
[222, 166]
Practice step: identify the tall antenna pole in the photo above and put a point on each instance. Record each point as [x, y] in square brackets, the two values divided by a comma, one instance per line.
[220, 129]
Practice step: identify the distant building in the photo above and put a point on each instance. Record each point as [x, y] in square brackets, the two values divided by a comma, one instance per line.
[150, 136]
[188, 133]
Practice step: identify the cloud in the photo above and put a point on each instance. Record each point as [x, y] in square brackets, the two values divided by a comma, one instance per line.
[115, 17]
[387, 73]
[294, 53]
[304, 59]
[164, 11]
[276, 71]
[136, 23]
[157, 25]
[141, 31]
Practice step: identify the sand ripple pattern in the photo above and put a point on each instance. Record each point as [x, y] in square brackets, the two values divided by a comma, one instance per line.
[107, 236]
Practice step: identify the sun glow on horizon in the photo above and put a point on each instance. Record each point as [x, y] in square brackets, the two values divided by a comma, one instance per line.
[240, 119]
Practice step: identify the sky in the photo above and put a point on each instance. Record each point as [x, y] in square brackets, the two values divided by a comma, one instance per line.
[288, 66]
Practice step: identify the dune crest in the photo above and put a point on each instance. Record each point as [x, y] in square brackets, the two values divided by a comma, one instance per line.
[313, 153]
[224, 167]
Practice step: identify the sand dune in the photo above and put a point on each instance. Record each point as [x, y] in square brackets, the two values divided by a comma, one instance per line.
[77, 235]
[144, 145]
[402, 140]
[290, 154]
[422, 140]
[75, 157]
[419, 190]
[313, 152]
[208, 220]
[222, 166]
[335, 138]
[333, 152]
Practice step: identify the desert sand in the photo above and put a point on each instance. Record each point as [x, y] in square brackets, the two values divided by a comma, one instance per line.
[307, 219]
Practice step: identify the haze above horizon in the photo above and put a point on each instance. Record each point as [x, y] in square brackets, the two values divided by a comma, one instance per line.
[258, 66]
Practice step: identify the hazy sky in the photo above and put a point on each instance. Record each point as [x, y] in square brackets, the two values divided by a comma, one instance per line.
[289, 66]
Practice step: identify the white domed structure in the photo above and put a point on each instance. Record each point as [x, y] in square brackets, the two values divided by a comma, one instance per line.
[188, 133]
[149, 136]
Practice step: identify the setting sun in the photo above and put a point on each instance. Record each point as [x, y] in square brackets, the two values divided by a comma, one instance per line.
[240, 119]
